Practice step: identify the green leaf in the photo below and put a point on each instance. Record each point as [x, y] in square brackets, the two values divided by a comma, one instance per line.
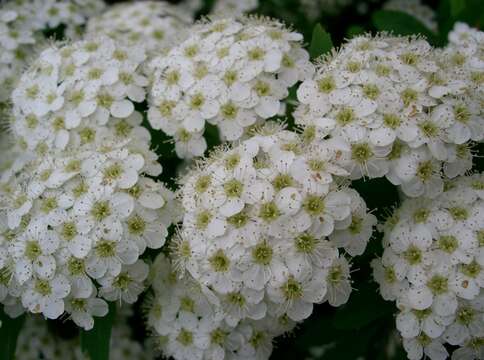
[355, 30]
[95, 343]
[456, 6]
[8, 334]
[400, 23]
[320, 42]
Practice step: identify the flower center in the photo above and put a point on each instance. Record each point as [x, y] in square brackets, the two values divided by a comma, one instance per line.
[413, 255]
[281, 181]
[101, 210]
[43, 287]
[136, 225]
[361, 153]
[32, 250]
[269, 211]
[438, 284]
[292, 289]
[219, 261]
[105, 248]
[185, 337]
[233, 188]
[69, 231]
[306, 243]
[262, 254]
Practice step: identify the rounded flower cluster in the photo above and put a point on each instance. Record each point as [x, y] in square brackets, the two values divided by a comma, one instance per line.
[229, 73]
[153, 25]
[234, 7]
[74, 226]
[433, 266]
[263, 222]
[69, 92]
[36, 341]
[398, 108]
[414, 8]
[187, 324]
[21, 26]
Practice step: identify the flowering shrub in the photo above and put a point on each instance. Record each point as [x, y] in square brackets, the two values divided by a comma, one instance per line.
[241, 180]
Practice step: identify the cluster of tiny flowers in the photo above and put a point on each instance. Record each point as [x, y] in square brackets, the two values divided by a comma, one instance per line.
[77, 206]
[187, 323]
[70, 92]
[415, 8]
[397, 108]
[229, 73]
[234, 7]
[153, 25]
[36, 342]
[21, 26]
[433, 266]
[77, 219]
[263, 224]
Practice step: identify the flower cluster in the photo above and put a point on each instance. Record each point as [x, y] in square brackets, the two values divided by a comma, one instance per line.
[398, 108]
[36, 342]
[153, 25]
[234, 7]
[69, 93]
[80, 210]
[21, 26]
[230, 73]
[433, 266]
[263, 222]
[188, 324]
[79, 217]
[415, 8]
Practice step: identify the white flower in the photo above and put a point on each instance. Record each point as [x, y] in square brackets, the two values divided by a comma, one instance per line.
[46, 296]
[432, 267]
[393, 104]
[153, 25]
[127, 285]
[33, 252]
[260, 217]
[82, 310]
[69, 86]
[225, 73]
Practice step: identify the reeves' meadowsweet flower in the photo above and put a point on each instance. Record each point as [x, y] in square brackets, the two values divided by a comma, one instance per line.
[189, 323]
[262, 225]
[234, 7]
[21, 27]
[230, 73]
[74, 89]
[397, 108]
[86, 214]
[152, 25]
[433, 267]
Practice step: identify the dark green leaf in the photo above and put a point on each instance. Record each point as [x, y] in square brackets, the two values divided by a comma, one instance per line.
[8, 334]
[95, 343]
[456, 6]
[320, 42]
[354, 30]
[400, 23]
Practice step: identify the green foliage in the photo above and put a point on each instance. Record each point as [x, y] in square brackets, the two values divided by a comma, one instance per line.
[9, 330]
[95, 343]
[321, 42]
[400, 23]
